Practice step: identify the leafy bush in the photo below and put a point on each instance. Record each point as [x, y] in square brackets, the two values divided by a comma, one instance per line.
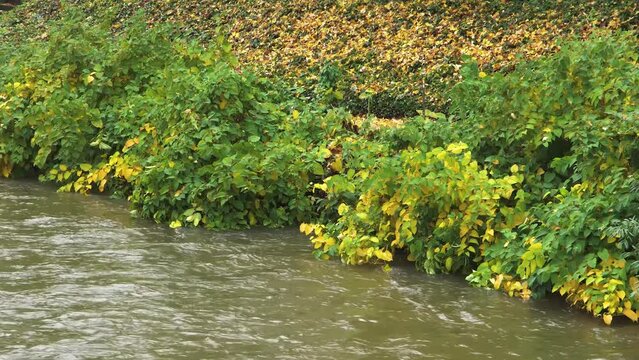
[548, 204]
[439, 205]
[183, 131]
[571, 116]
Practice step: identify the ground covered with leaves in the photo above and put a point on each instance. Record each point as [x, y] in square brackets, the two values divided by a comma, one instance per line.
[390, 58]
[526, 184]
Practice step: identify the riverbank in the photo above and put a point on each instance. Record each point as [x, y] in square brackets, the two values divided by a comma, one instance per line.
[526, 185]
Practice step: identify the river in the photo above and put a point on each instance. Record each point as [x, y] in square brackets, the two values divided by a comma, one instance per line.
[81, 279]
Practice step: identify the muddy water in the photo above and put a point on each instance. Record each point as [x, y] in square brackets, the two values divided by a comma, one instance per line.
[80, 279]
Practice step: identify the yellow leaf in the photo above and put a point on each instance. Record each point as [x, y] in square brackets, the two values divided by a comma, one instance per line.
[296, 114]
[322, 187]
[482, 74]
[383, 255]
[101, 174]
[130, 143]
[463, 230]
[6, 171]
[490, 233]
[102, 185]
[337, 165]
[607, 319]
[127, 173]
[535, 246]
[223, 104]
[456, 148]
[514, 169]
[630, 314]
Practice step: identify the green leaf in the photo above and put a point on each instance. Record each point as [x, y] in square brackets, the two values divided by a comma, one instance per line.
[97, 123]
[317, 169]
[189, 212]
[197, 217]
[449, 263]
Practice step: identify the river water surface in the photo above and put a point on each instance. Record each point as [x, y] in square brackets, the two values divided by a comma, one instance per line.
[80, 279]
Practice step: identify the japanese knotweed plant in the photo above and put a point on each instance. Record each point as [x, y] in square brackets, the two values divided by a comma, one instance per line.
[180, 129]
[439, 206]
[570, 249]
[572, 121]
[569, 118]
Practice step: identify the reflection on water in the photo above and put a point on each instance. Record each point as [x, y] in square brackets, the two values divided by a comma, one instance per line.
[80, 279]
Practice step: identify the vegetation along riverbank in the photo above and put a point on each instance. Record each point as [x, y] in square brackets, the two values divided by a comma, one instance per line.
[512, 158]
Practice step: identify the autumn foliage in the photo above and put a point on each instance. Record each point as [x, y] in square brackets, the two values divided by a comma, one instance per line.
[401, 54]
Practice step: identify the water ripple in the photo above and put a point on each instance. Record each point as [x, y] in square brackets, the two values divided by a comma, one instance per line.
[80, 279]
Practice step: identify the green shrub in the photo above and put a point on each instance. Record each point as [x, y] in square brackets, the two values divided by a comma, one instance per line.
[572, 115]
[183, 131]
[440, 205]
[549, 199]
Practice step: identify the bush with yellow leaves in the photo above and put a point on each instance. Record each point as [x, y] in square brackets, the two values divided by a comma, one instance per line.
[440, 206]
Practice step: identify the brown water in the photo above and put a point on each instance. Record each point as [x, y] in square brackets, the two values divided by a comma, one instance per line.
[80, 279]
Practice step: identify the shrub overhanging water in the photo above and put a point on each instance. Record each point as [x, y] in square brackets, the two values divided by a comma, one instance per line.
[527, 186]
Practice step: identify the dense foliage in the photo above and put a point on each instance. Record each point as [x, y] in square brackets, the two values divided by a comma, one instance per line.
[547, 205]
[401, 54]
[527, 185]
[183, 131]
